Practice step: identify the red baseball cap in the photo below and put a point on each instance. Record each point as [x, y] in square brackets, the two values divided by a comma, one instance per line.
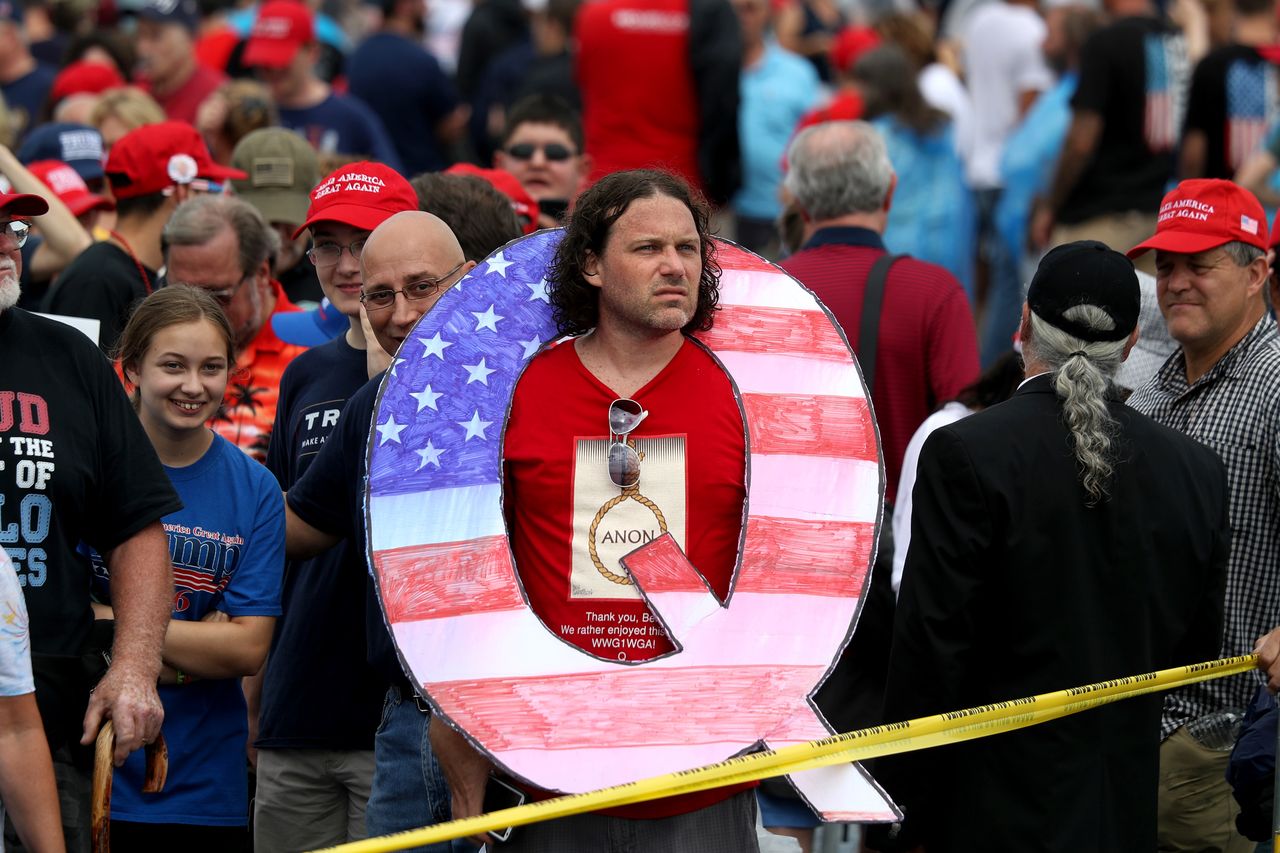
[362, 195]
[23, 204]
[154, 157]
[84, 77]
[849, 45]
[69, 186]
[526, 206]
[1202, 214]
[282, 27]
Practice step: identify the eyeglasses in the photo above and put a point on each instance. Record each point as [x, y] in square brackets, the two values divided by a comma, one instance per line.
[328, 254]
[624, 462]
[226, 294]
[376, 300]
[553, 151]
[17, 230]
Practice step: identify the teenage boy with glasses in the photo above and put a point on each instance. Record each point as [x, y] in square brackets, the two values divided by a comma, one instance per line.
[315, 770]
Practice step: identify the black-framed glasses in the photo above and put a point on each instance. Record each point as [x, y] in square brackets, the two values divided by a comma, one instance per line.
[624, 461]
[327, 254]
[17, 231]
[376, 300]
[553, 151]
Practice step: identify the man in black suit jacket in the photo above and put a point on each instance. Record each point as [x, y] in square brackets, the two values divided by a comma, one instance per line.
[1058, 539]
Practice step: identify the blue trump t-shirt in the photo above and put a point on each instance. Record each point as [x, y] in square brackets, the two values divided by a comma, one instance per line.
[227, 548]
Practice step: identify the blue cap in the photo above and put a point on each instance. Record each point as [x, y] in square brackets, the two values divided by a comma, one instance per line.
[310, 328]
[77, 145]
[185, 12]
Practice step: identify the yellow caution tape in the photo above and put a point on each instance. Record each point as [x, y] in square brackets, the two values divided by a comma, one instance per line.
[863, 744]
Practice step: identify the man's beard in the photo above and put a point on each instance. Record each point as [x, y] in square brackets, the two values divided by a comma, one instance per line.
[10, 290]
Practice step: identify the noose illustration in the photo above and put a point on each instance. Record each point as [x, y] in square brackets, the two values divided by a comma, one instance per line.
[629, 493]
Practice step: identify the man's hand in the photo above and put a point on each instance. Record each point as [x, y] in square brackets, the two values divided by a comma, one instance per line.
[1040, 230]
[132, 703]
[1268, 651]
[465, 769]
[376, 358]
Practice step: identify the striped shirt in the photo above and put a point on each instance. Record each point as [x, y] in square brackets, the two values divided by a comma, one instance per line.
[1235, 410]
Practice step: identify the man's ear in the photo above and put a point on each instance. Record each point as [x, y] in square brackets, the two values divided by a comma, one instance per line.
[888, 197]
[1128, 345]
[1024, 326]
[1259, 273]
[591, 269]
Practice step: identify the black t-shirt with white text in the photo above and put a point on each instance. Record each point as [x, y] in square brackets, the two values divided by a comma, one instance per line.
[75, 465]
[319, 637]
[330, 497]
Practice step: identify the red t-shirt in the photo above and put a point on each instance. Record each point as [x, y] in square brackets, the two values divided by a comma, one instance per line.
[568, 526]
[928, 347]
[181, 104]
[639, 102]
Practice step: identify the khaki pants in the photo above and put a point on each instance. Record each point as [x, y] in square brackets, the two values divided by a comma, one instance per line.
[1120, 231]
[1197, 813]
[310, 798]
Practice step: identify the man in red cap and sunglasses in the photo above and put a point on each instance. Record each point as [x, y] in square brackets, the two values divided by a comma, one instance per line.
[151, 171]
[1221, 387]
[75, 467]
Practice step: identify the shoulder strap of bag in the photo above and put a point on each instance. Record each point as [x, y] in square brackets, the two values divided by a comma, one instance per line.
[869, 328]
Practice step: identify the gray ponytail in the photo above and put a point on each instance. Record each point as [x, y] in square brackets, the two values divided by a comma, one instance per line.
[1082, 373]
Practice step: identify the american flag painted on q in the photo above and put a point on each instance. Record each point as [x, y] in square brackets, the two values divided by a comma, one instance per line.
[744, 670]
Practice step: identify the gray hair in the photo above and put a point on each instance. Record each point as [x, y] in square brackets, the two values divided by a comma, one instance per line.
[198, 220]
[1242, 253]
[1082, 373]
[837, 168]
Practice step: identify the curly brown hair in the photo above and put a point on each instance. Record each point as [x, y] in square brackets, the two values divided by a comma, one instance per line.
[575, 303]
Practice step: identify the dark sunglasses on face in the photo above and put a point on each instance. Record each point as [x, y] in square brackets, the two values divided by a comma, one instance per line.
[553, 151]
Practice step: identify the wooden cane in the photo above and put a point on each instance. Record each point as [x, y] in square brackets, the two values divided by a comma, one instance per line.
[157, 759]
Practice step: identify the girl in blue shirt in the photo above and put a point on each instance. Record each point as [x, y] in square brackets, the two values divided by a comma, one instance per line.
[227, 547]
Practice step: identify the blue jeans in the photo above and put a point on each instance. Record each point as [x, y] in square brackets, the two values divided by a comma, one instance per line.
[409, 790]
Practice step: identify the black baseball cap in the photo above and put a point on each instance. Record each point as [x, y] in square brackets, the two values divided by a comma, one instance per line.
[1086, 273]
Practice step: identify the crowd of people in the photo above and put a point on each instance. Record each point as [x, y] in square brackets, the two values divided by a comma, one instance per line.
[1041, 226]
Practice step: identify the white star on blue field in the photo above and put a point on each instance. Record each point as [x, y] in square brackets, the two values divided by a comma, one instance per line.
[441, 414]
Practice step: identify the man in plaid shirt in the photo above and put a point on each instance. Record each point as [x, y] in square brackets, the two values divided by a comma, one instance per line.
[1221, 387]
